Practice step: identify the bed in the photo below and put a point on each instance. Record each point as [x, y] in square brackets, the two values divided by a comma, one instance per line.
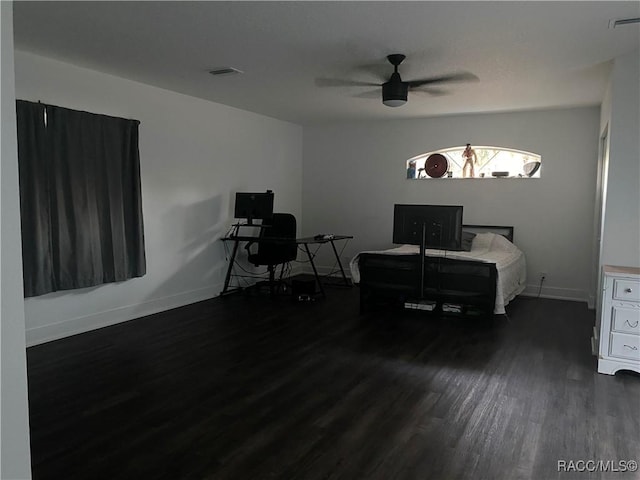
[480, 281]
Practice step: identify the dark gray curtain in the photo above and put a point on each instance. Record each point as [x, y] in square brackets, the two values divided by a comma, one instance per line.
[80, 198]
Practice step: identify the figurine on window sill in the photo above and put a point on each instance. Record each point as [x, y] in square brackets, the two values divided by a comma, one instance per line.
[411, 170]
[470, 161]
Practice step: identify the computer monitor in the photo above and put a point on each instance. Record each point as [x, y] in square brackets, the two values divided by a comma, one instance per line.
[441, 224]
[253, 205]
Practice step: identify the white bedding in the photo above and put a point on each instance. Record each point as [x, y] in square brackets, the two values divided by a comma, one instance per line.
[486, 247]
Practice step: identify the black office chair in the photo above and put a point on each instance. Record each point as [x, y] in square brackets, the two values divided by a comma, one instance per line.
[274, 253]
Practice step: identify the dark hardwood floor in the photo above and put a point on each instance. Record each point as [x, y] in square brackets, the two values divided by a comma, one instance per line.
[251, 388]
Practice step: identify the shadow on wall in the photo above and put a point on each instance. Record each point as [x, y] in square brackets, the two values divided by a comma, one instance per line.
[193, 248]
[186, 263]
[197, 262]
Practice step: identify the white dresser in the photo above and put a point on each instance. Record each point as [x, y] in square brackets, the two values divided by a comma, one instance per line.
[619, 343]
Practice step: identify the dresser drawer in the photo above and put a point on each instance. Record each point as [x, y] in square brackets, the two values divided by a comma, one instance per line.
[625, 346]
[625, 320]
[626, 290]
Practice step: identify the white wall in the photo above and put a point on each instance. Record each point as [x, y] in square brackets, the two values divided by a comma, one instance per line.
[354, 173]
[194, 156]
[15, 460]
[621, 112]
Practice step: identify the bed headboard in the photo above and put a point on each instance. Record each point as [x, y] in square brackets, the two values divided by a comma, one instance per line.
[506, 232]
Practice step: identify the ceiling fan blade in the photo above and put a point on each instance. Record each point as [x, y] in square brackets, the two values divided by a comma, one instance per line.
[454, 77]
[434, 92]
[377, 70]
[338, 82]
[370, 94]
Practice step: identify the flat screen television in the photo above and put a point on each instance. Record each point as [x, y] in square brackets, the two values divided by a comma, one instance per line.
[254, 206]
[441, 224]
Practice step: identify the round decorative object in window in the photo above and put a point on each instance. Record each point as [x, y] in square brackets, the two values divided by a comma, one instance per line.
[531, 168]
[436, 165]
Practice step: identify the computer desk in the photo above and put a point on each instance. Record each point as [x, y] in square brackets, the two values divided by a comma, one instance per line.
[304, 241]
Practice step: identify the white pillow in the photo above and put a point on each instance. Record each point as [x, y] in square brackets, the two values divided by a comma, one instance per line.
[502, 244]
[482, 241]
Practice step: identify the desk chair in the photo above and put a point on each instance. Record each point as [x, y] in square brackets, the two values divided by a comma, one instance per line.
[274, 253]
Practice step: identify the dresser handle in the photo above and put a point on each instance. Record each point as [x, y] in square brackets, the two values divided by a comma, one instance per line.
[631, 347]
[629, 323]
[628, 290]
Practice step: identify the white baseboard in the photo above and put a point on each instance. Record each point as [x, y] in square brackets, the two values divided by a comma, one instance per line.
[82, 324]
[74, 326]
[86, 323]
[555, 293]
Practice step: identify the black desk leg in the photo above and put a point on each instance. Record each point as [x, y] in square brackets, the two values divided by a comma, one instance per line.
[315, 271]
[230, 267]
[344, 276]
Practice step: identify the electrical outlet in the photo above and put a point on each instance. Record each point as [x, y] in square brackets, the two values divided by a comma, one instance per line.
[543, 275]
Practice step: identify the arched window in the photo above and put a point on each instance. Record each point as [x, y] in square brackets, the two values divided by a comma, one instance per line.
[474, 162]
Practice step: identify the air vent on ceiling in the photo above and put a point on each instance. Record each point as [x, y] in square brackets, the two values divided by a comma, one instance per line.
[623, 21]
[225, 71]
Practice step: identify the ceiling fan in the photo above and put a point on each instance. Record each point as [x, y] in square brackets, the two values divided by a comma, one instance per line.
[395, 90]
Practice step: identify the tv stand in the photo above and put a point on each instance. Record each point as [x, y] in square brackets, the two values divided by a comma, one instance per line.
[436, 285]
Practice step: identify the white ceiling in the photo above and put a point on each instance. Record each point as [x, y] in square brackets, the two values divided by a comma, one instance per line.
[527, 55]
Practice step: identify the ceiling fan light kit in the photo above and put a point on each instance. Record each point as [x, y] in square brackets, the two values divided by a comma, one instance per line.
[394, 92]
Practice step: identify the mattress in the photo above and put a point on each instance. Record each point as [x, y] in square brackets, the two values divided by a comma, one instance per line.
[486, 247]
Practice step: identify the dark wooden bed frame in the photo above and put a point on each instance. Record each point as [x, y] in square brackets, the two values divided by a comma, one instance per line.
[469, 286]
